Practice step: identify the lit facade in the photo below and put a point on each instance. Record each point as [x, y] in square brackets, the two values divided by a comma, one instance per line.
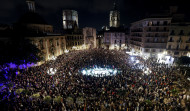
[70, 19]
[51, 46]
[45, 28]
[74, 41]
[114, 17]
[114, 40]
[179, 40]
[89, 37]
[149, 36]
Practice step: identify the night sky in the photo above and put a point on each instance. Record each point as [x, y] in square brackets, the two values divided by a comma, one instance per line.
[92, 13]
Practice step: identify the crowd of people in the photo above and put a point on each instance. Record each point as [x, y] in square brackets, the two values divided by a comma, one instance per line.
[130, 90]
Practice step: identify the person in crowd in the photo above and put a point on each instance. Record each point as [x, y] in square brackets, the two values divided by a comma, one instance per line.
[142, 86]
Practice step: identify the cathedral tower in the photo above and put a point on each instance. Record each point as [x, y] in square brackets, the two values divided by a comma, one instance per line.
[114, 16]
[31, 5]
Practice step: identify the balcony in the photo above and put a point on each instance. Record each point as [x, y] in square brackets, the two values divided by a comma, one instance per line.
[181, 33]
[136, 35]
[172, 33]
[179, 41]
[171, 41]
[157, 31]
[136, 30]
[106, 43]
[175, 49]
[151, 42]
[135, 44]
[158, 25]
[156, 47]
[137, 41]
[157, 36]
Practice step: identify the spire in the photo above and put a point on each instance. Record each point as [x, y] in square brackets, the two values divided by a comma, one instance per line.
[31, 5]
[115, 5]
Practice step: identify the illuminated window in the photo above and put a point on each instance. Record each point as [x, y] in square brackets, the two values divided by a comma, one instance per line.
[169, 47]
[146, 50]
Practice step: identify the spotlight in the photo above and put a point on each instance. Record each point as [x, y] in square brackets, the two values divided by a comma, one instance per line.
[132, 58]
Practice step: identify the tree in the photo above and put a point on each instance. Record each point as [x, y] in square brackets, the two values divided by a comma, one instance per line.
[184, 60]
[19, 51]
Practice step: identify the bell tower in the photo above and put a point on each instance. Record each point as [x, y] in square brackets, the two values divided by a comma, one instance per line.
[114, 16]
[31, 5]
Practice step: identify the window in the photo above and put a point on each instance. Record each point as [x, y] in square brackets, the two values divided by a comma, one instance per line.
[149, 29]
[176, 53]
[115, 41]
[163, 40]
[165, 22]
[148, 40]
[41, 44]
[172, 32]
[57, 43]
[156, 35]
[157, 28]
[156, 39]
[187, 48]
[171, 39]
[165, 29]
[150, 23]
[177, 47]
[146, 50]
[181, 32]
[158, 23]
[180, 40]
[169, 47]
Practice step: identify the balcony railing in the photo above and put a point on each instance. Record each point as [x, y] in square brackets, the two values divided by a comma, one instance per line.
[136, 30]
[188, 41]
[157, 36]
[170, 41]
[159, 25]
[151, 42]
[157, 31]
[179, 41]
[181, 33]
[175, 49]
[172, 33]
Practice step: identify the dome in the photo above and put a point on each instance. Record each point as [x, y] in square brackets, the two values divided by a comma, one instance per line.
[32, 18]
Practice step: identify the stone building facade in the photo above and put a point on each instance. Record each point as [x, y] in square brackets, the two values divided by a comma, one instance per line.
[74, 41]
[149, 36]
[114, 40]
[114, 16]
[89, 37]
[52, 45]
[179, 40]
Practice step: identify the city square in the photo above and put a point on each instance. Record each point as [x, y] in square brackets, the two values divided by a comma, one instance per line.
[59, 66]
